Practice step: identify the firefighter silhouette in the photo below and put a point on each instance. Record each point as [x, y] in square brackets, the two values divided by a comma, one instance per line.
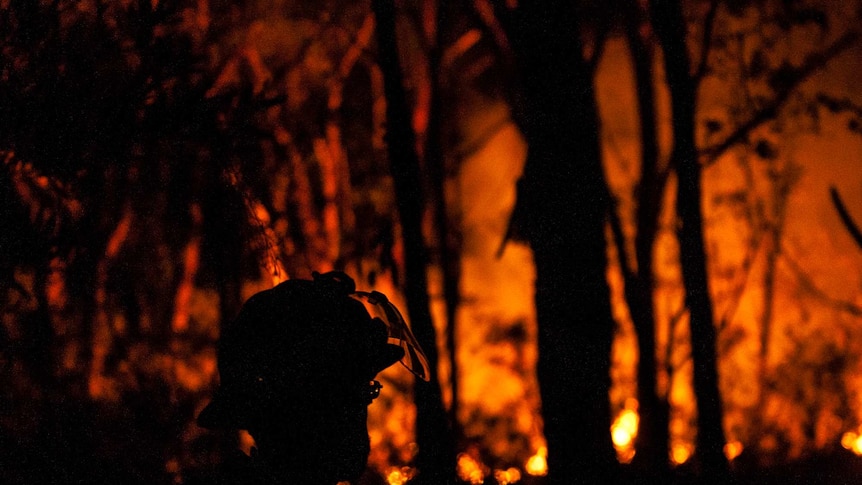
[297, 370]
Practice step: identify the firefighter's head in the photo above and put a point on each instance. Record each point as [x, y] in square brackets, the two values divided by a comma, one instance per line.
[298, 369]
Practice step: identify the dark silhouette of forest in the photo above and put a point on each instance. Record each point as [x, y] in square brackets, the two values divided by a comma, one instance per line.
[162, 160]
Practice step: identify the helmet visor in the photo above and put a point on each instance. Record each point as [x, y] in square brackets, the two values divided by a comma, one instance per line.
[399, 333]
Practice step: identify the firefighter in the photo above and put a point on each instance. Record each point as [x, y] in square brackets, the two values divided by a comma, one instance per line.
[297, 370]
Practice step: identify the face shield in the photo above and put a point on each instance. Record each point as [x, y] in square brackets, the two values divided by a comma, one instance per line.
[379, 307]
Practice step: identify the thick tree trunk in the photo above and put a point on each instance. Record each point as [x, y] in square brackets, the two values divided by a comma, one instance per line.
[564, 200]
[670, 27]
[435, 458]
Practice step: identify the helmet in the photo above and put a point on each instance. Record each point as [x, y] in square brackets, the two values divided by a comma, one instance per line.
[304, 335]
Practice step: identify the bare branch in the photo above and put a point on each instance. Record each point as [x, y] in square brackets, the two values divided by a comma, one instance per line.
[837, 105]
[851, 226]
[787, 83]
[808, 285]
[706, 41]
[486, 15]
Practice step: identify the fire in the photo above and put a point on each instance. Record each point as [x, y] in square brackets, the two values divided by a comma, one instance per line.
[505, 477]
[732, 449]
[470, 470]
[680, 453]
[624, 430]
[537, 465]
[399, 475]
[852, 441]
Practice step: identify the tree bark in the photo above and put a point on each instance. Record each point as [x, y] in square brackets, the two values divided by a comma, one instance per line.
[435, 458]
[563, 198]
[669, 24]
[653, 432]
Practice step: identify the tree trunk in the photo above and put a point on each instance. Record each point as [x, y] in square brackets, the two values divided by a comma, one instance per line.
[446, 218]
[653, 432]
[435, 458]
[563, 196]
[670, 28]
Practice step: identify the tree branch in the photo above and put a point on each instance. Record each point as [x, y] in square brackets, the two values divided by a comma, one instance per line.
[851, 226]
[787, 81]
[706, 41]
[809, 286]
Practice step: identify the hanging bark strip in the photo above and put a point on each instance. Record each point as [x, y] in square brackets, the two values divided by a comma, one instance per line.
[102, 335]
[259, 216]
[669, 25]
[435, 458]
[338, 218]
[191, 263]
[302, 199]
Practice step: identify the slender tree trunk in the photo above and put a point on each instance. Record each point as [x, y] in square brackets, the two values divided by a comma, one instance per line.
[670, 27]
[563, 196]
[653, 432]
[435, 458]
[447, 229]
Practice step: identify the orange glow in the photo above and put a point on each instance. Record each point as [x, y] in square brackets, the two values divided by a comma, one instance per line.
[508, 476]
[537, 465]
[732, 449]
[329, 167]
[470, 470]
[191, 261]
[852, 441]
[272, 262]
[148, 310]
[55, 290]
[246, 442]
[120, 234]
[680, 453]
[399, 475]
[624, 430]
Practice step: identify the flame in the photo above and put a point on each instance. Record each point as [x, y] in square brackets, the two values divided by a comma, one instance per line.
[399, 475]
[852, 441]
[680, 453]
[732, 449]
[624, 430]
[508, 476]
[470, 470]
[537, 465]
